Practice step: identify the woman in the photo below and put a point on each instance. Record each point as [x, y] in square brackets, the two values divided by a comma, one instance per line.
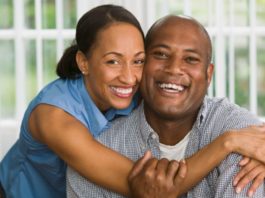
[99, 76]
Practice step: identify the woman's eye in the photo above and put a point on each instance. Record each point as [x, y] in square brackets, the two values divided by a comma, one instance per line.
[112, 62]
[139, 62]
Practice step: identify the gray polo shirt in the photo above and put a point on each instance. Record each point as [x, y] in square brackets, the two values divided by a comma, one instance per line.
[132, 136]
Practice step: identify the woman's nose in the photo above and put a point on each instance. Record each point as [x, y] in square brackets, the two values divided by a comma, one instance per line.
[128, 75]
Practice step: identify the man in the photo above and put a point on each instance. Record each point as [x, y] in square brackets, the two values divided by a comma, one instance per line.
[176, 119]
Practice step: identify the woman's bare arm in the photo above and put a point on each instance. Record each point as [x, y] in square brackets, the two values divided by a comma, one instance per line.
[72, 141]
[206, 159]
[249, 142]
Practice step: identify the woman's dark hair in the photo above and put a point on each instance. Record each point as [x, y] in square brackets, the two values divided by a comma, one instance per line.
[89, 25]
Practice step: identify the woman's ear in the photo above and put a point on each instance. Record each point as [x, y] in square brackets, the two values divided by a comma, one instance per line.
[82, 62]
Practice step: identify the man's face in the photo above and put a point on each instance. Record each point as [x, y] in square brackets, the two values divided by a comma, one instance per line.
[176, 75]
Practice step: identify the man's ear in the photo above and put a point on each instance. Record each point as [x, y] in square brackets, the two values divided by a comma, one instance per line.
[82, 62]
[210, 70]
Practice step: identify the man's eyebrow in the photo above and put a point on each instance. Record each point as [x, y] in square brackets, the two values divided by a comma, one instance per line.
[120, 54]
[158, 46]
[193, 51]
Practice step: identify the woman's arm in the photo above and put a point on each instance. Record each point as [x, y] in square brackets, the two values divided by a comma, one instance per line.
[249, 142]
[72, 141]
[206, 159]
[146, 176]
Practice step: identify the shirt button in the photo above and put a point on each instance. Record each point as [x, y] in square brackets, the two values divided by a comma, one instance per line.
[153, 136]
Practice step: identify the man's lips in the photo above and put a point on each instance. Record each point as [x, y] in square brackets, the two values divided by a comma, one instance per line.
[171, 87]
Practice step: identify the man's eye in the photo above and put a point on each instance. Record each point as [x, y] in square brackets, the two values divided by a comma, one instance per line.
[161, 55]
[192, 60]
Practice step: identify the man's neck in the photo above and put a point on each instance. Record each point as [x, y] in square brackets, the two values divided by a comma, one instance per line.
[170, 131]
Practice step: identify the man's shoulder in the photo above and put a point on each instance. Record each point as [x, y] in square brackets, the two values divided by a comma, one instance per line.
[125, 123]
[219, 115]
[222, 110]
[220, 103]
[121, 129]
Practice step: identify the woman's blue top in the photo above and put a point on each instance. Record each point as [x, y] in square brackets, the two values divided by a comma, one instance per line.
[30, 169]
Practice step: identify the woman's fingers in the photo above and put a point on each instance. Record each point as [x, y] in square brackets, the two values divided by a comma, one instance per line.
[253, 171]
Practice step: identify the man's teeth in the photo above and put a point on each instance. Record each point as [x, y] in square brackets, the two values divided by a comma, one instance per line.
[171, 87]
[122, 90]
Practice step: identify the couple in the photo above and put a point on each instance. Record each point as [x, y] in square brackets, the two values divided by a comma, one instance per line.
[175, 120]
[98, 81]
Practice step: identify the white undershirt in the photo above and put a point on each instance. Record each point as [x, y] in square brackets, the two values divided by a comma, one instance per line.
[175, 152]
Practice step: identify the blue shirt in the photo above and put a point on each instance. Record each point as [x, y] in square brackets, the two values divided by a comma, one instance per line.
[30, 169]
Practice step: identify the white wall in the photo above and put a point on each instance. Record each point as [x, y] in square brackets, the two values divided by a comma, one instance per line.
[8, 135]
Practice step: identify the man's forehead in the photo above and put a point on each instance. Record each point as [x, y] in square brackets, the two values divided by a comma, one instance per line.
[169, 34]
[174, 27]
[175, 24]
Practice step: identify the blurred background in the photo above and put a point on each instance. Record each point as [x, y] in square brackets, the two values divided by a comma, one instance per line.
[34, 33]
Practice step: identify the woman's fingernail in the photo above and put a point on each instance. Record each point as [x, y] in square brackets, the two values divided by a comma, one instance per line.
[238, 190]
[234, 182]
[250, 193]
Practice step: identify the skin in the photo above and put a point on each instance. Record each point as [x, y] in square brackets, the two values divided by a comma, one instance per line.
[175, 57]
[178, 56]
[113, 71]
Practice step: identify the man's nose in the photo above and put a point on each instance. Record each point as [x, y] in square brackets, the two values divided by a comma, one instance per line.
[175, 66]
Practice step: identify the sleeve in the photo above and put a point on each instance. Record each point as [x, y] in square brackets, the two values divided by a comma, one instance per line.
[239, 117]
[226, 171]
[224, 187]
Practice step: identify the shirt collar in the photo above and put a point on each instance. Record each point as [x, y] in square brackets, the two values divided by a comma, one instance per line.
[202, 113]
[112, 113]
[97, 120]
[147, 131]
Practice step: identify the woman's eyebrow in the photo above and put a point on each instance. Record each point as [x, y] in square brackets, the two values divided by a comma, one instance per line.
[114, 53]
[139, 53]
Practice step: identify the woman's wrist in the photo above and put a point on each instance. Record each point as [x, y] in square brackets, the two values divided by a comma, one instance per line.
[229, 140]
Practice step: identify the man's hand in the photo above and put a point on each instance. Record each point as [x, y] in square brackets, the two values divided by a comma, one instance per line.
[251, 171]
[156, 178]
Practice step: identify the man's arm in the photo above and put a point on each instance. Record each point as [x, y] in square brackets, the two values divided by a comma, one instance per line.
[224, 182]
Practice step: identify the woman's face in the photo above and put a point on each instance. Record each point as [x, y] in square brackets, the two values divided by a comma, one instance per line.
[114, 67]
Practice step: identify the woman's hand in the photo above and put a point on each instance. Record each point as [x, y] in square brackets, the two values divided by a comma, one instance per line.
[157, 178]
[251, 171]
[249, 142]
